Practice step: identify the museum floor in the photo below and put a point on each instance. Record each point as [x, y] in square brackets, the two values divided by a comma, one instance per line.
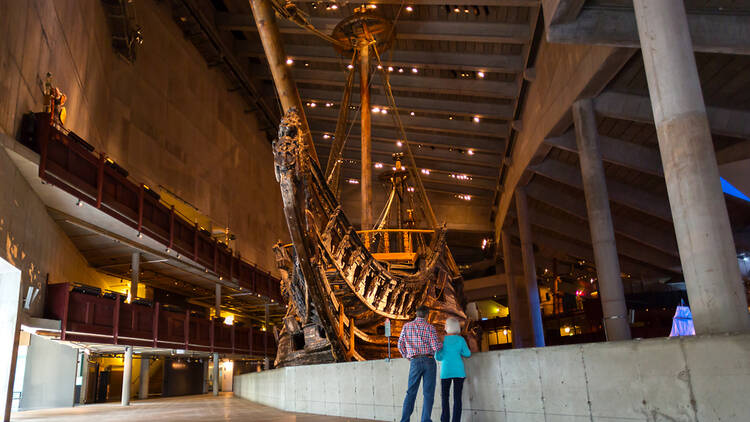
[205, 408]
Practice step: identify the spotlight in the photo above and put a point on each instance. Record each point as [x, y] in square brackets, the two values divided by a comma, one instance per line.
[350, 66]
[457, 10]
[329, 104]
[376, 109]
[390, 68]
[399, 144]
[289, 61]
[378, 165]
[313, 105]
[476, 119]
[426, 172]
[470, 152]
[334, 7]
[414, 70]
[409, 9]
[480, 74]
[411, 114]
[383, 111]
[380, 67]
[400, 70]
[326, 136]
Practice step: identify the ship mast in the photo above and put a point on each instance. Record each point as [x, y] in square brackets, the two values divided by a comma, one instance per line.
[365, 130]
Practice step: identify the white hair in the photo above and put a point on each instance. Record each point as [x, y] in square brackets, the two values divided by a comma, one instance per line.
[452, 326]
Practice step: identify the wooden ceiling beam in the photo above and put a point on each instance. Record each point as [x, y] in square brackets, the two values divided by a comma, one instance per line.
[419, 105]
[443, 125]
[419, 59]
[489, 32]
[391, 134]
[411, 83]
[711, 33]
[637, 108]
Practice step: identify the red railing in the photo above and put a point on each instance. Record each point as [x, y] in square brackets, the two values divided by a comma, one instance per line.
[64, 162]
[98, 319]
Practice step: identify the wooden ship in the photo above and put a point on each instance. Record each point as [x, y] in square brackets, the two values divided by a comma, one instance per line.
[342, 284]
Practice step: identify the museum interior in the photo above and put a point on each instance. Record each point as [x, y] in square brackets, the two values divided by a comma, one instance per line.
[230, 209]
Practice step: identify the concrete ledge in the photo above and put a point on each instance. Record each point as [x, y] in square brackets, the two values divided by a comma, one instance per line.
[702, 378]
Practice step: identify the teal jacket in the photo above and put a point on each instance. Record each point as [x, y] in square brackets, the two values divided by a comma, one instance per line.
[454, 347]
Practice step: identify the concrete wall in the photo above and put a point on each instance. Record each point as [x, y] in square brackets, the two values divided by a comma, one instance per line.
[669, 379]
[50, 377]
[31, 241]
[169, 119]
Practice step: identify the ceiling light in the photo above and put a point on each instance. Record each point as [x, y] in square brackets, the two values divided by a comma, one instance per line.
[470, 152]
[326, 136]
[449, 117]
[79, 203]
[410, 189]
[383, 111]
[140, 235]
[399, 144]
[378, 165]
[476, 119]
[353, 181]
[390, 68]
[457, 10]
[426, 172]
[414, 70]
[480, 74]
[334, 7]
[329, 104]
[411, 114]
[372, 6]
[376, 109]
[409, 9]
[400, 70]
[466, 10]
[350, 66]
[289, 61]
[313, 105]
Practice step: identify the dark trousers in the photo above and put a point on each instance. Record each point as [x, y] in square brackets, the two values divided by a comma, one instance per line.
[445, 390]
[420, 369]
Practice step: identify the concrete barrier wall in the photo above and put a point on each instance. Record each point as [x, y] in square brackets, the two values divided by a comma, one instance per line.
[703, 378]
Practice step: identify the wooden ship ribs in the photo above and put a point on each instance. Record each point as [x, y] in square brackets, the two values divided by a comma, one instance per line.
[338, 293]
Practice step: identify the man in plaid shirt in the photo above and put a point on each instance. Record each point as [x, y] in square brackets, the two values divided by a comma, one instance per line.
[418, 343]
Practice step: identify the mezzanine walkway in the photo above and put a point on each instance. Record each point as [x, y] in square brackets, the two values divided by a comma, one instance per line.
[204, 408]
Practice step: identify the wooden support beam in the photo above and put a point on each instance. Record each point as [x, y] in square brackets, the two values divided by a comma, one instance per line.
[712, 33]
[637, 108]
[621, 193]
[504, 33]
[615, 151]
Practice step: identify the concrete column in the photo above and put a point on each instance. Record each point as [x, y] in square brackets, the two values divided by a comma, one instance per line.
[135, 270]
[217, 306]
[602, 231]
[520, 317]
[145, 367]
[205, 375]
[127, 372]
[704, 235]
[216, 374]
[529, 267]
[366, 142]
[10, 324]
[84, 377]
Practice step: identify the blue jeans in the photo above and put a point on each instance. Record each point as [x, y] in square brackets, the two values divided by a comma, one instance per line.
[445, 386]
[420, 367]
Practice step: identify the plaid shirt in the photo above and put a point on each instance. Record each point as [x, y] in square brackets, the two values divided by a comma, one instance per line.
[418, 337]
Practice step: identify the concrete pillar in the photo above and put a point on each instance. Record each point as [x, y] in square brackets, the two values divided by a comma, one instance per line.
[84, 377]
[366, 142]
[520, 317]
[602, 231]
[216, 374]
[145, 367]
[205, 375]
[217, 306]
[127, 372]
[529, 267]
[701, 222]
[10, 324]
[135, 275]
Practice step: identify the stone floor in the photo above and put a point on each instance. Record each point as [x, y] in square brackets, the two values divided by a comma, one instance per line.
[204, 408]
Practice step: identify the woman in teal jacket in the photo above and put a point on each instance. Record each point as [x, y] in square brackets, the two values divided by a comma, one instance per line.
[452, 369]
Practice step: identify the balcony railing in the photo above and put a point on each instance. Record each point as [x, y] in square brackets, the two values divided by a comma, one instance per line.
[68, 162]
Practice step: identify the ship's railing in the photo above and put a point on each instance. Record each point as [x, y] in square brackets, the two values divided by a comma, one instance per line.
[396, 244]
